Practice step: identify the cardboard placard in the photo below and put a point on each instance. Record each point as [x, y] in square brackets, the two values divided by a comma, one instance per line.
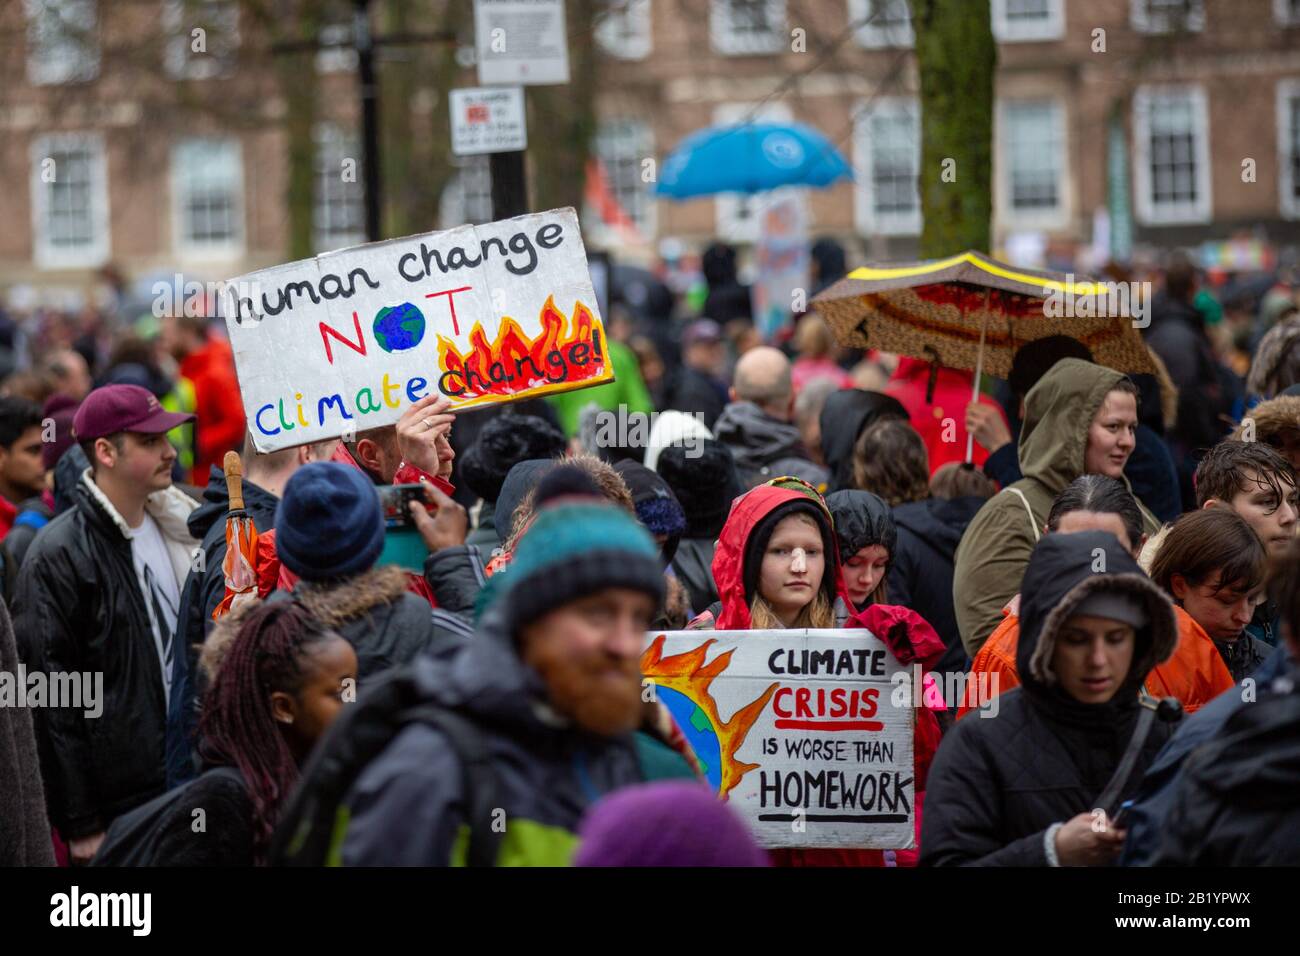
[345, 342]
[798, 729]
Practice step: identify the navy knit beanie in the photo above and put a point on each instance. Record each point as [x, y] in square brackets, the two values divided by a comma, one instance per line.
[329, 523]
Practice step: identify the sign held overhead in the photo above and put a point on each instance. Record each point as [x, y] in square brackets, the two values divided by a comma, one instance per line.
[344, 342]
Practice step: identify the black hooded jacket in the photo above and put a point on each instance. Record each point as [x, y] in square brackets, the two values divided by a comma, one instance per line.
[997, 783]
[1237, 804]
[920, 576]
[844, 417]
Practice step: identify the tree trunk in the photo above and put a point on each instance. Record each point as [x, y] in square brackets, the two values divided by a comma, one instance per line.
[562, 119]
[956, 57]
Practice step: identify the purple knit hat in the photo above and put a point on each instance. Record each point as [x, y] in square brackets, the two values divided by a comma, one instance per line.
[671, 823]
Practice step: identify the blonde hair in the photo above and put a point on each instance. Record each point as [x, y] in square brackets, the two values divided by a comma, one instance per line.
[818, 612]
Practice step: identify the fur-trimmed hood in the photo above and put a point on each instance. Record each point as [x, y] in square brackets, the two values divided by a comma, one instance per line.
[373, 612]
[1063, 570]
[337, 604]
[1272, 419]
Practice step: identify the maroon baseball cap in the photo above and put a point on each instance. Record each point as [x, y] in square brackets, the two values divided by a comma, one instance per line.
[123, 408]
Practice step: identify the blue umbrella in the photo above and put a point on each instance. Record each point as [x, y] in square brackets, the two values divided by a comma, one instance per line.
[750, 158]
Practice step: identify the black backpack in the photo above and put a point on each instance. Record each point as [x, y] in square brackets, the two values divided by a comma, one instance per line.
[132, 839]
[306, 833]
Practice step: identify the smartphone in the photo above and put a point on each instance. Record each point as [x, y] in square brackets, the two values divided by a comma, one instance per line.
[396, 503]
[1117, 821]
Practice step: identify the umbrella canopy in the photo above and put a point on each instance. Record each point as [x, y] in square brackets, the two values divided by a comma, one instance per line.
[241, 544]
[750, 158]
[971, 311]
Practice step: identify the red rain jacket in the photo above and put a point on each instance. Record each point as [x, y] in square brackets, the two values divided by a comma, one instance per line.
[951, 396]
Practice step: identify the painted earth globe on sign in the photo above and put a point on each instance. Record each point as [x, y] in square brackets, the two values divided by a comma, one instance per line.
[399, 328]
[699, 731]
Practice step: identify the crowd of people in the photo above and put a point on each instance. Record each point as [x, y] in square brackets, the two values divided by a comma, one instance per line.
[1113, 582]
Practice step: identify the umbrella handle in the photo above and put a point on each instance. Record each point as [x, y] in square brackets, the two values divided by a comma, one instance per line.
[979, 370]
[234, 469]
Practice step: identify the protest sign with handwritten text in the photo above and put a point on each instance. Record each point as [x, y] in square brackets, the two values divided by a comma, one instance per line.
[346, 341]
[798, 729]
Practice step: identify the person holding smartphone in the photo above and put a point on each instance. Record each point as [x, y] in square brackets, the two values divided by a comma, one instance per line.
[1023, 788]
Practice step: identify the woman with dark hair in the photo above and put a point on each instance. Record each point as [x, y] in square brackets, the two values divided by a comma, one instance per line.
[278, 686]
[1214, 565]
[1194, 674]
[889, 459]
[1024, 789]
[867, 539]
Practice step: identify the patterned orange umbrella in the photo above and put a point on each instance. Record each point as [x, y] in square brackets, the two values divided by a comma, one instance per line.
[240, 562]
[971, 311]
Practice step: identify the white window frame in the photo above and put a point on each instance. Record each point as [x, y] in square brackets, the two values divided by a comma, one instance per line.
[1289, 202]
[179, 61]
[1056, 217]
[230, 247]
[1020, 31]
[343, 145]
[727, 41]
[874, 37]
[336, 59]
[633, 43]
[65, 59]
[1143, 21]
[729, 224]
[1286, 13]
[867, 220]
[648, 225]
[1147, 212]
[47, 255]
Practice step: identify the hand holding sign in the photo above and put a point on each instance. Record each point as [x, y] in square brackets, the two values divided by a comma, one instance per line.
[419, 430]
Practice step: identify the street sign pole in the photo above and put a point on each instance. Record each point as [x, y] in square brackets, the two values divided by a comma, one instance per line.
[369, 116]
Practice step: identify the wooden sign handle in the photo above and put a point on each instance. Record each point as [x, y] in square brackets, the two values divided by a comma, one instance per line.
[234, 469]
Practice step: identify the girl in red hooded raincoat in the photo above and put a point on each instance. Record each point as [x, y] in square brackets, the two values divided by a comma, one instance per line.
[777, 565]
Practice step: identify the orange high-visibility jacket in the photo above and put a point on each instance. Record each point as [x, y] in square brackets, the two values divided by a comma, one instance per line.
[1195, 674]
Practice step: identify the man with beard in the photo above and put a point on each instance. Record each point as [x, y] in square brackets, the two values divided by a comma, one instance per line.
[98, 592]
[550, 688]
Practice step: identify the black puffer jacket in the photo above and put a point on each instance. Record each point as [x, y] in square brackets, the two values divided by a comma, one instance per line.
[921, 575]
[998, 783]
[78, 607]
[1237, 804]
[844, 417]
[455, 576]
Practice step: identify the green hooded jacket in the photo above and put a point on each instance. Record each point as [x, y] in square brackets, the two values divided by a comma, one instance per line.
[994, 551]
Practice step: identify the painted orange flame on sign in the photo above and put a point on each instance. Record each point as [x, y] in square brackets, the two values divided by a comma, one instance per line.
[556, 359]
[687, 674]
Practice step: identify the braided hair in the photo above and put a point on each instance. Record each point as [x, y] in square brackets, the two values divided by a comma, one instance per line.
[237, 728]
